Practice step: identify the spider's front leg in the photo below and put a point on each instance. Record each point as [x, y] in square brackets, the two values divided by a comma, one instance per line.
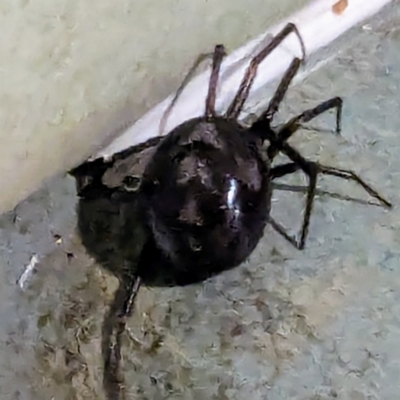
[263, 123]
[236, 106]
[217, 56]
[262, 126]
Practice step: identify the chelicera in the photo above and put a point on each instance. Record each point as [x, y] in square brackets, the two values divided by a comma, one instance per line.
[202, 199]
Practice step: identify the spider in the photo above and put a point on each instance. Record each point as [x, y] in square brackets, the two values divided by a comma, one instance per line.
[184, 207]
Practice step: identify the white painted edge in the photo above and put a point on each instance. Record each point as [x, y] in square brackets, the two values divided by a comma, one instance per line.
[318, 26]
[28, 272]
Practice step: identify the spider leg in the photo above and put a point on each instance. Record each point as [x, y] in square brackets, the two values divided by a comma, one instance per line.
[132, 289]
[113, 328]
[182, 86]
[236, 106]
[219, 53]
[281, 90]
[283, 170]
[312, 169]
[350, 175]
[184, 83]
[295, 123]
[262, 124]
[318, 192]
[308, 115]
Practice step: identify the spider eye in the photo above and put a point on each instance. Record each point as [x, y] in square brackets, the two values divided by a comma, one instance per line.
[131, 183]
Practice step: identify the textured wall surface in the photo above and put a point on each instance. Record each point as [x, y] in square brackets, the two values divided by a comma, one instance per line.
[73, 72]
[322, 324]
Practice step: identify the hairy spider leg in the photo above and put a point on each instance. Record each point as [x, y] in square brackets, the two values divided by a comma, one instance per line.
[312, 169]
[113, 328]
[296, 122]
[262, 125]
[236, 106]
[182, 86]
[281, 90]
[218, 56]
[318, 192]
[263, 122]
[277, 141]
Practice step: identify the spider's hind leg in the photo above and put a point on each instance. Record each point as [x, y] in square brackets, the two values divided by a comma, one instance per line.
[296, 122]
[312, 169]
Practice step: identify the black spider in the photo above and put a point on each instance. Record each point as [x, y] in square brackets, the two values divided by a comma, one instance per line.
[179, 209]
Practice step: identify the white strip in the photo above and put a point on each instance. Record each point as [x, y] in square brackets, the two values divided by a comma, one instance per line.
[318, 26]
[28, 271]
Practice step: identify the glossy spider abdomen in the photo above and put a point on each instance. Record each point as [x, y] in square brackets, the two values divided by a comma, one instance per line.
[206, 194]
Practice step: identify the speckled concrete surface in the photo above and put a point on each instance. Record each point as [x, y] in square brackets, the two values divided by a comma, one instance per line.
[322, 324]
